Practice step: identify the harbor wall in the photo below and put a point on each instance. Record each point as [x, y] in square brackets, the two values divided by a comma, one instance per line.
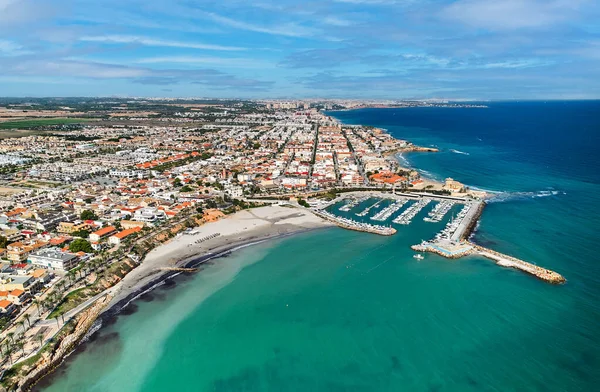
[509, 261]
[387, 231]
[473, 223]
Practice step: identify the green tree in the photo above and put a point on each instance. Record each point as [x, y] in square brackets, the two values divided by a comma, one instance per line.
[81, 233]
[40, 338]
[88, 215]
[185, 188]
[80, 245]
[303, 203]
[3, 242]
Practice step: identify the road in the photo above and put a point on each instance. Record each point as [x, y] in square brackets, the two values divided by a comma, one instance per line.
[73, 312]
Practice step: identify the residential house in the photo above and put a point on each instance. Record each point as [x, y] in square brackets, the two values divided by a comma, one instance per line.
[120, 236]
[129, 224]
[54, 258]
[7, 308]
[102, 233]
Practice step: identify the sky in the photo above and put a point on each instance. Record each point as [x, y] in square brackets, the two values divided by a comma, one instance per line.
[364, 49]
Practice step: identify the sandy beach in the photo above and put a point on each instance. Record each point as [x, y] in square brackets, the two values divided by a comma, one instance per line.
[243, 227]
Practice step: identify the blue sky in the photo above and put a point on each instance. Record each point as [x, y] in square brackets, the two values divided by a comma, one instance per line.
[464, 49]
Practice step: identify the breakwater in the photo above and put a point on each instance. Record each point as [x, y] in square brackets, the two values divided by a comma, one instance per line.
[456, 250]
[447, 250]
[353, 225]
[473, 222]
[509, 261]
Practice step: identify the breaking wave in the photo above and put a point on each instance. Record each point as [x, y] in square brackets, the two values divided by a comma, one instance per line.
[500, 197]
[459, 152]
[403, 160]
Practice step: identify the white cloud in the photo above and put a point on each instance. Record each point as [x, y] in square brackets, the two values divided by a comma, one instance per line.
[9, 46]
[512, 14]
[17, 12]
[221, 61]
[336, 21]
[525, 63]
[129, 39]
[286, 29]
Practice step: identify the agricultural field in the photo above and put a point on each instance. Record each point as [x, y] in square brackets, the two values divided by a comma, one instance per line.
[41, 122]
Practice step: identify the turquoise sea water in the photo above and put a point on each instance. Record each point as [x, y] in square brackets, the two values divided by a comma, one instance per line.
[338, 310]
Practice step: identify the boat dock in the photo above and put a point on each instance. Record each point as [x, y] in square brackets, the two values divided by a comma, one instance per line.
[369, 208]
[390, 210]
[354, 225]
[406, 217]
[353, 203]
[439, 211]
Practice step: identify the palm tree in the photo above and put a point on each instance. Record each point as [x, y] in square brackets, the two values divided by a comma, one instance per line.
[10, 336]
[71, 276]
[36, 302]
[21, 324]
[9, 352]
[21, 346]
[27, 317]
[49, 303]
[40, 338]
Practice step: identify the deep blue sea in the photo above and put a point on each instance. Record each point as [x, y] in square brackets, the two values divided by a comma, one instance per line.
[335, 310]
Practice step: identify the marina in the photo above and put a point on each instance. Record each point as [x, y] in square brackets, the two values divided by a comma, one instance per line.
[406, 217]
[439, 211]
[455, 225]
[385, 214]
[354, 225]
[353, 203]
[368, 209]
[451, 242]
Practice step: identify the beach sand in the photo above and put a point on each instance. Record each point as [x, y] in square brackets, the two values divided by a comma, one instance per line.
[243, 227]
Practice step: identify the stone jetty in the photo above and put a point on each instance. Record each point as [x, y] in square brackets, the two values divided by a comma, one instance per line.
[509, 261]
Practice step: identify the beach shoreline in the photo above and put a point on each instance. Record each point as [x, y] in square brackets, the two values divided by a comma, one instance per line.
[244, 228]
[240, 230]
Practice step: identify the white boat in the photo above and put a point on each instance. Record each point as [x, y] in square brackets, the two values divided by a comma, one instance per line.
[418, 257]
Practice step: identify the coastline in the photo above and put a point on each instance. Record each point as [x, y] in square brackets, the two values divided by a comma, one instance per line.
[270, 223]
[243, 228]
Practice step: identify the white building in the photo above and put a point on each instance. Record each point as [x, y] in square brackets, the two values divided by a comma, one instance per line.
[53, 258]
[128, 173]
[148, 215]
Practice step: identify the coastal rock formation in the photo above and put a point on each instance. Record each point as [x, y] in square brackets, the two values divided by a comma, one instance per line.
[82, 325]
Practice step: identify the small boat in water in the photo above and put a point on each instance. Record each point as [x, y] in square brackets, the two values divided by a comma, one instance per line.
[418, 256]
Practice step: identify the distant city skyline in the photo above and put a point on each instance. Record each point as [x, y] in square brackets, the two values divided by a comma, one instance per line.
[346, 49]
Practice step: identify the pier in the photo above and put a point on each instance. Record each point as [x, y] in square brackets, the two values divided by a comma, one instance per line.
[368, 209]
[178, 269]
[354, 225]
[406, 217]
[439, 211]
[390, 210]
[353, 203]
